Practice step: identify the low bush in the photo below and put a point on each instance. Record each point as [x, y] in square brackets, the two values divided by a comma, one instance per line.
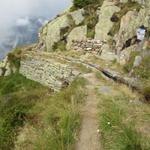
[83, 3]
[16, 82]
[14, 58]
[17, 96]
[60, 118]
[59, 46]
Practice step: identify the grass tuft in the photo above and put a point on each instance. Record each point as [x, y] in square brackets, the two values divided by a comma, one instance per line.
[59, 117]
[119, 129]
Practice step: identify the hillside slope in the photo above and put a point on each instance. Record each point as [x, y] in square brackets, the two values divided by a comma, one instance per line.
[84, 85]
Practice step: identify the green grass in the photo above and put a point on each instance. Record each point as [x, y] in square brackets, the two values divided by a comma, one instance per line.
[55, 117]
[17, 96]
[83, 3]
[119, 127]
[59, 46]
[59, 116]
[83, 68]
[15, 83]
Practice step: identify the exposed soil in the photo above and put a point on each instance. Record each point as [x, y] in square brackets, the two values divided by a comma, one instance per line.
[89, 138]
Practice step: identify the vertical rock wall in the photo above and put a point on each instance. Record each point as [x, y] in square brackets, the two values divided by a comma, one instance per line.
[46, 71]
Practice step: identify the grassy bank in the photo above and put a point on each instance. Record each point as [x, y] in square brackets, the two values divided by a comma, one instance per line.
[17, 96]
[123, 120]
[54, 121]
[32, 117]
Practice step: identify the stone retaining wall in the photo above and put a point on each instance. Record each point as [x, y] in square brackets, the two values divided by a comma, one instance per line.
[46, 71]
[88, 45]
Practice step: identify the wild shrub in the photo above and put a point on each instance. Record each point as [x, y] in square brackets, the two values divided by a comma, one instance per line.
[17, 96]
[14, 58]
[61, 118]
[83, 3]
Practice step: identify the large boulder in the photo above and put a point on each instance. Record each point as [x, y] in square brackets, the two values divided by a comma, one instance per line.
[137, 61]
[54, 30]
[105, 24]
[129, 24]
[78, 16]
[78, 33]
[107, 54]
[59, 28]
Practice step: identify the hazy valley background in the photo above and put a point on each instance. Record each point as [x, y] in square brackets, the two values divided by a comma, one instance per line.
[20, 20]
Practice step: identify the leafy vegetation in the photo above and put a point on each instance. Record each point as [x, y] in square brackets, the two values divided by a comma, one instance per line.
[61, 118]
[54, 117]
[142, 72]
[59, 46]
[15, 102]
[14, 58]
[83, 3]
[91, 19]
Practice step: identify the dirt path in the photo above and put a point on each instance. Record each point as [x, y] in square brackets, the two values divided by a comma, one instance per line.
[89, 136]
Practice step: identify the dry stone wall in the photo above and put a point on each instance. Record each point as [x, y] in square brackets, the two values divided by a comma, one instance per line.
[46, 71]
[97, 47]
[87, 45]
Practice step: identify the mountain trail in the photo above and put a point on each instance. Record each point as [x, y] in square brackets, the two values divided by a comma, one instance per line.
[89, 136]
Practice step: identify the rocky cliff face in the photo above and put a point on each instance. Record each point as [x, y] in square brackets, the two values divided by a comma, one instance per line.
[111, 25]
[117, 23]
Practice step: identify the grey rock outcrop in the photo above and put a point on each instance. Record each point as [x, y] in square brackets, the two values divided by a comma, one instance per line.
[78, 16]
[54, 31]
[129, 24]
[78, 33]
[107, 53]
[5, 68]
[105, 24]
[59, 28]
